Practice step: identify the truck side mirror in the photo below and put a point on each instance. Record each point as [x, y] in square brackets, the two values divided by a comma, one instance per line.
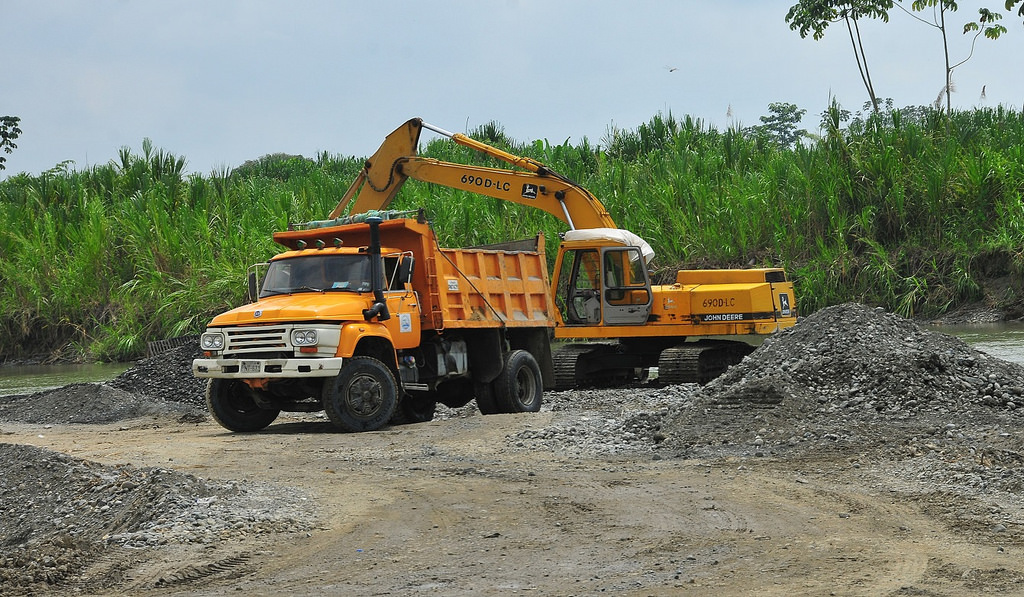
[405, 269]
[252, 286]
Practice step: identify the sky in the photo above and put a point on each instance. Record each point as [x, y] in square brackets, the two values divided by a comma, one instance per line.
[219, 82]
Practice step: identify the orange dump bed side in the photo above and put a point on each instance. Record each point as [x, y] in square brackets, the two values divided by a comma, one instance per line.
[457, 288]
[478, 288]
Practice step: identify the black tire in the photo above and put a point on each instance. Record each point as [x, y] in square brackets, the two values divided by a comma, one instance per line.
[232, 405]
[414, 409]
[363, 396]
[486, 401]
[519, 387]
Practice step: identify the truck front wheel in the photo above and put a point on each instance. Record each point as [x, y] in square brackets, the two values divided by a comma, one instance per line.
[519, 387]
[231, 403]
[363, 397]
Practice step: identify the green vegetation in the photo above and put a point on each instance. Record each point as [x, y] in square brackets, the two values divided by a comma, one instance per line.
[914, 210]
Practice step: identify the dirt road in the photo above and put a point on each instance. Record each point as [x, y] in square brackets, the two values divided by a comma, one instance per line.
[856, 454]
[447, 507]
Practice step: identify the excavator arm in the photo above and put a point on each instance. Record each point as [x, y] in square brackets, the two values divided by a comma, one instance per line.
[538, 187]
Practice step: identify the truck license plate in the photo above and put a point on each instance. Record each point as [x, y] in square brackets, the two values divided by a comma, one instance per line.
[250, 367]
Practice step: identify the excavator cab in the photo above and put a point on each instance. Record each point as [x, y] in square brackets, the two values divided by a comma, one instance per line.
[607, 284]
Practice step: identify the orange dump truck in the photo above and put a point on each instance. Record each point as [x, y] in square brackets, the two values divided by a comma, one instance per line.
[367, 318]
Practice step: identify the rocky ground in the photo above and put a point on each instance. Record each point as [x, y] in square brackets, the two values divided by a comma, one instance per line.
[856, 453]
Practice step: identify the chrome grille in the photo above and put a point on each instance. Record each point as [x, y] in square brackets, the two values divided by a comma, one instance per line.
[243, 340]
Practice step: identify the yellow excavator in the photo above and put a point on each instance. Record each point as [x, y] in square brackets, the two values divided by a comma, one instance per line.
[621, 324]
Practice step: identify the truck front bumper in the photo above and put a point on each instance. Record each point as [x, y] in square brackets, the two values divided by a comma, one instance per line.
[263, 368]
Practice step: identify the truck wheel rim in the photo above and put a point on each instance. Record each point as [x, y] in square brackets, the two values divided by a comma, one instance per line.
[525, 384]
[364, 395]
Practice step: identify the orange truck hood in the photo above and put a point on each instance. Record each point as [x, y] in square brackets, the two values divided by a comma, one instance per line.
[305, 306]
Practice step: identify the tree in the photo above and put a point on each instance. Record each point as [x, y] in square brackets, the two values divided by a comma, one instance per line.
[815, 16]
[985, 25]
[1011, 3]
[780, 125]
[9, 132]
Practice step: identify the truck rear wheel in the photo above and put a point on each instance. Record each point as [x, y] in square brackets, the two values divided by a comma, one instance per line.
[363, 396]
[519, 387]
[231, 403]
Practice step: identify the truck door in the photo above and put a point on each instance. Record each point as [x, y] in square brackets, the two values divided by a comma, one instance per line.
[626, 294]
[403, 302]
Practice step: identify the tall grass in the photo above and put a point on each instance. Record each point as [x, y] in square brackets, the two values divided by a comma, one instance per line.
[908, 209]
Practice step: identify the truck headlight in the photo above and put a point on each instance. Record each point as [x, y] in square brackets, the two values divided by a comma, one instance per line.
[211, 341]
[304, 337]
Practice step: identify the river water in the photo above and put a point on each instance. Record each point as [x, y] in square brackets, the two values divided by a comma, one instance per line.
[1002, 340]
[25, 379]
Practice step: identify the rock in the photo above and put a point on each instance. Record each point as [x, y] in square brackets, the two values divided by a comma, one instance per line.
[47, 498]
[844, 366]
[166, 377]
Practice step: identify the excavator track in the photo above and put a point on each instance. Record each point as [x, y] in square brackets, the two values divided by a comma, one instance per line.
[566, 361]
[595, 364]
[699, 362]
[679, 365]
[602, 364]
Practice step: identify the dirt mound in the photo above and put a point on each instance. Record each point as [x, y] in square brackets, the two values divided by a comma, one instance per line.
[61, 513]
[156, 386]
[839, 373]
[86, 403]
[166, 377]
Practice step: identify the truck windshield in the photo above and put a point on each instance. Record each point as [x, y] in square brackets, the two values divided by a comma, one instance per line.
[317, 273]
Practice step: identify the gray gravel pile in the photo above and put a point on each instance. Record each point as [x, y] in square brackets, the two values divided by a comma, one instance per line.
[58, 512]
[605, 422]
[88, 403]
[161, 385]
[166, 377]
[849, 377]
[854, 357]
[840, 374]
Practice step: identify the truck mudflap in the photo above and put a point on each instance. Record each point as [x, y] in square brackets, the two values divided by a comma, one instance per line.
[262, 368]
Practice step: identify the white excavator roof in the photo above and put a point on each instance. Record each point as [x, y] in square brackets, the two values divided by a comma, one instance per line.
[623, 237]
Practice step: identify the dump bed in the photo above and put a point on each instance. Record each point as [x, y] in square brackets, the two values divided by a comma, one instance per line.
[457, 288]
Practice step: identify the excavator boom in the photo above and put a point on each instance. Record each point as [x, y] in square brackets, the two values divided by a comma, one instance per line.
[539, 187]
